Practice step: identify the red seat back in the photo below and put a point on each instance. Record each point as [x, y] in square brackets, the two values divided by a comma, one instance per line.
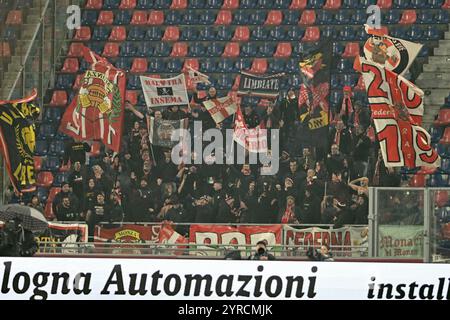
[242, 33]
[75, 50]
[71, 65]
[59, 98]
[44, 179]
[312, 34]
[111, 50]
[332, 4]
[360, 86]
[5, 49]
[83, 34]
[193, 63]
[224, 17]
[14, 17]
[384, 4]
[139, 18]
[446, 4]
[408, 17]
[156, 18]
[231, 50]
[180, 49]
[172, 33]
[118, 33]
[127, 4]
[105, 18]
[308, 17]
[298, 4]
[37, 163]
[132, 96]
[351, 50]
[77, 83]
[179, 4]
[418, 181]
[230, 4]
[446, 136]
[284, 50]
[259, 66]
[274, 18]
[94, 4]
[443, 117]
[139, 65]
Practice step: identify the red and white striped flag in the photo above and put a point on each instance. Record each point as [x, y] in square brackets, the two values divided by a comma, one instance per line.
[254, 140]
[221, 108]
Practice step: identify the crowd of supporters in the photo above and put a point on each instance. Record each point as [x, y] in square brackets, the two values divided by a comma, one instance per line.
[321, 179]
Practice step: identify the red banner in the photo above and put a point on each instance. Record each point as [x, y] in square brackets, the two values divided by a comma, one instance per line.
[168, 235]
[128, 233]
[97, 111]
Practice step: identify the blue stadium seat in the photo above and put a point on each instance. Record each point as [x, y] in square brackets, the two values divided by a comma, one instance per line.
[336, 99]
[144, 4]
[128, 49]
[52, 163]
[155, 65]
[111, 4]
[207, 17]
[225, 81]
[249, 49]
[266, 50]
[122, 18]
[248, 4]
[136, 34]
[418, 4]
[197, 50]
[442, 150]
[259, 33]
[344, 65]
[162, 49]
[391, 17]
[64, 81]
[338, 49]
[190, 17]
[101, 33]
[134, 82]
[414, 33]
[265, 4]
[241, 18]
[445, 166]
[123, 63]
[324, 17]
[335, 81]
[299, 49]
[400, 4]
[89, 18]
[330, 32]
[435, 4]
[41, 147]
[47, 131]
[42, 194]
[350, 79]
[60, 178]
[342, 18]
[359, 17]
[291, 17]
[225, 65]
[22, 4]
[215, 49]
[207, 34]
[174, 65]
[281, 4]
[425, 17]
[154, 34]
[197, 4]
[437, 180]
[52, 115]
[442, 17]
[257, 17]
[430, 33]
[361, 35]
[144, 49]
[315, 4]
[349, 4]
[292, 66]
[162, 4]
[243, 64]
[295, 33]
[276, 66]
[224, 33]
[214, 4]
[294, 81]
[173, 17]
[364, 4]
[278, 33]
[97, 47]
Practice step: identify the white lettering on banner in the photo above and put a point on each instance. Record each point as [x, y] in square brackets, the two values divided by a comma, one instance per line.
[178, 94]
[139, 279]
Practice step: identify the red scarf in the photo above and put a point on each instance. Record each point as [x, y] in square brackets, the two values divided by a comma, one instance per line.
[337, 137]
[347, 106]
[288, 215]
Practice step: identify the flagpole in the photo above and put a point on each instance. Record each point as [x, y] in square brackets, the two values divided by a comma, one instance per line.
[151, 144]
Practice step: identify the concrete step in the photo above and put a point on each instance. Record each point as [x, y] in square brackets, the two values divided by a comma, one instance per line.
[444, 67]
[434, 76]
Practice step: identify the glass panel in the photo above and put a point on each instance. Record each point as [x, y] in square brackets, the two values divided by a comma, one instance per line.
[440, 225]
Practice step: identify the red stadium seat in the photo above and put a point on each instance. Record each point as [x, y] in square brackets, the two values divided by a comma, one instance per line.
[259, 66]
[139, 18]
[193, 63]
[445, 136]
[118, 33]
[312, 34]
[95, 149]
[408, 17]
[44, 179]
[351, 50]
[417, 181]
[71, 65]
[77, 83]
[48, 212]
[75, 50]
[83, 34]
[94, 4]
[230, 4]
[333, 4]
[443, 117]
[172, 33]
[5, 49]
[274, 18]
[236, 83]
[178, 4]
[105, 18]
[231, 50]
[284, 50]
[308, 17]
[59, 98]
[298, 4]
[37, 163]
[139, 65]
[360, 86]
[441, 198]
[427, 170]
[180, 49]
[446, 4]
[111, 50]
[127, 4]
[224, 17]
[65, 168]
[156, 18]
[132, 96]
[242, 33]
[384, 4]
[14, 17]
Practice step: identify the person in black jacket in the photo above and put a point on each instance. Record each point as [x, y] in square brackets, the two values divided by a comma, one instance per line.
[99, 211]
[361, 152]
[75, 151]
[66, 211]
[289, 118]
[65, 192]
[204, 211]
[203, 115]
[251, 117]
[310, 208]
[76, 180]
[261, 252]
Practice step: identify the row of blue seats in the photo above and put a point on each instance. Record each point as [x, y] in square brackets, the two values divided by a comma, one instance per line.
[258, 17]
[275, 4]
